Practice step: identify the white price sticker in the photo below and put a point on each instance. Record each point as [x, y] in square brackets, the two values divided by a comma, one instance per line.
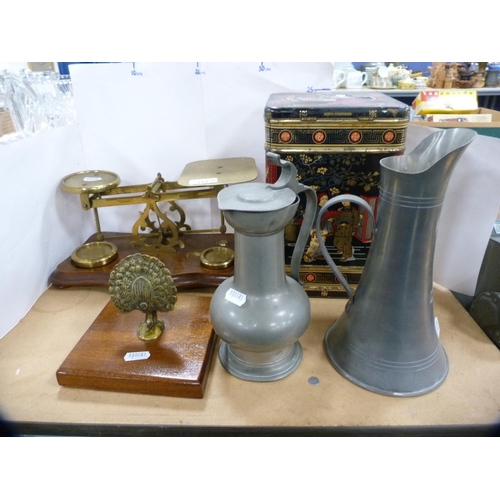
[136, 356]
[236, 297]
[436, 324]
[204, 182]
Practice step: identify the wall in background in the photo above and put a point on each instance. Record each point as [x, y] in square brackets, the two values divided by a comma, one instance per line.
[64, 66]
[13, 67]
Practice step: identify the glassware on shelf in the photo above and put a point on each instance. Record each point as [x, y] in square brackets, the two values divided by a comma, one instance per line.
[36, 101]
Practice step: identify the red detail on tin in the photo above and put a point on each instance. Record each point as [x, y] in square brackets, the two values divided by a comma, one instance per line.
[389, 136]
[285, 136]
[355, 136]
[310, 278]
[319, 136]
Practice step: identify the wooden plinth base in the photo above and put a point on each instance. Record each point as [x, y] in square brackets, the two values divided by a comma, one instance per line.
[183, 264]
[178, 363]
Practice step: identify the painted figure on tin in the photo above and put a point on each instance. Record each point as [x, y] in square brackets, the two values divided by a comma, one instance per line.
[346, 223]
[326, 229]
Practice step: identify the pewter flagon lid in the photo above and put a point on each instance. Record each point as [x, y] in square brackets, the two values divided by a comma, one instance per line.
[255, 197]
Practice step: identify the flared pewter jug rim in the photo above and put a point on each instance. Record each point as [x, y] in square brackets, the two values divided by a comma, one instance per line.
[430, 151]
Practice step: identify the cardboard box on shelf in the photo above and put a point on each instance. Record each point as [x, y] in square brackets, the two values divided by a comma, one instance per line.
[445, 101]
[463, 117]
[6, 123]
[491, 129]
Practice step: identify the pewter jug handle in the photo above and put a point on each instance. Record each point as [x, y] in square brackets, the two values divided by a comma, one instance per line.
[288, 179]
[338, 199]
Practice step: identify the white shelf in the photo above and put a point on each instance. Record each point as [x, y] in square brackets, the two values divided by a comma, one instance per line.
[483, 91]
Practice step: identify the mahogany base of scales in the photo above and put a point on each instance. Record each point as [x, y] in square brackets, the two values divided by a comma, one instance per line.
[183, 264]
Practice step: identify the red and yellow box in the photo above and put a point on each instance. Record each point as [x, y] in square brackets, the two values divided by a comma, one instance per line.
[445, 101]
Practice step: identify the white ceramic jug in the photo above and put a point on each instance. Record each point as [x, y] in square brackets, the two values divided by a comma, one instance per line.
[355, 79]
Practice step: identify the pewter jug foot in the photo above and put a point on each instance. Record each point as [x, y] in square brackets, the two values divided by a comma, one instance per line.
[381, 375]
[260, 366]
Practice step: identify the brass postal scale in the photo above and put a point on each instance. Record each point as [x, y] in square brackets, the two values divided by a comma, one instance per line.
[201, 257]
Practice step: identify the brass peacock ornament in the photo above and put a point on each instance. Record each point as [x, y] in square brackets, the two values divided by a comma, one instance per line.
[144, 283]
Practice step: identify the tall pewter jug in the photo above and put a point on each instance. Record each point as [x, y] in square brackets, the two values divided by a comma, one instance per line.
[387, 339]
[260, 313]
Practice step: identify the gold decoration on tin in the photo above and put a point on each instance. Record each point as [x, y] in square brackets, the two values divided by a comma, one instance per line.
[337, 138]
[142, 282]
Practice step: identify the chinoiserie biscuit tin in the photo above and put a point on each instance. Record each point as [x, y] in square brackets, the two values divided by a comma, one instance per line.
[336, 140]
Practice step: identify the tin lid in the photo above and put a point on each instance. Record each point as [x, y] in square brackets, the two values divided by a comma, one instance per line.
[354, 105]
[255, 197]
